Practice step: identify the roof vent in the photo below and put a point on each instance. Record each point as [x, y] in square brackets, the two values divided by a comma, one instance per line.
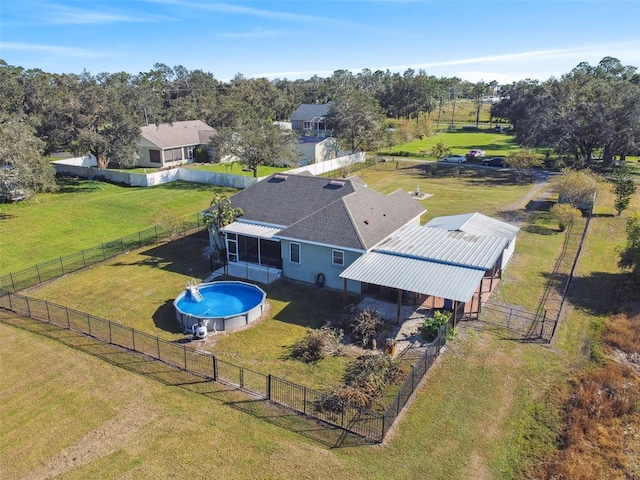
[337, 183]
[280, 176]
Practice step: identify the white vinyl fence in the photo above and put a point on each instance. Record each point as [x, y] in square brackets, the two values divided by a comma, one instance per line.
[86, 167]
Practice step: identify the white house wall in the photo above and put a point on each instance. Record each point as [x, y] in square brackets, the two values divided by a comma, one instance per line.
[316, 259]
[508, 253]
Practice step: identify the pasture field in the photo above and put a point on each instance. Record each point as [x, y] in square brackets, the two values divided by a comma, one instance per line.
[488, 409]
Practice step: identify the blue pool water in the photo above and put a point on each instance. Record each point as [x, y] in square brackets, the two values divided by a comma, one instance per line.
[220, 299]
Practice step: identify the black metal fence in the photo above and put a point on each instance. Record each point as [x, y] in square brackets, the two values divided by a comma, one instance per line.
[419, 370]
[521, 324]
[40, 273]
[365, 423]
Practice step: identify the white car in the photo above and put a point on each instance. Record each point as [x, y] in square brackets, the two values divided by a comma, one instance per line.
[453, 159]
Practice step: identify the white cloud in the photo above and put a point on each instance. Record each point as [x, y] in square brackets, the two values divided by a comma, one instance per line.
[53, 50]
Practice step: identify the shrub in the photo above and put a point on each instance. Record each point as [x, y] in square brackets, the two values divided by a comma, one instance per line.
[431, 326]
[366, 326]
[565, 214]
[201, 155]
[317, 344]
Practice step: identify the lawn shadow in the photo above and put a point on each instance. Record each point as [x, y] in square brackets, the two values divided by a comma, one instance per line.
[187, 255]
[306, 305]
[581, 292]
[165, 318]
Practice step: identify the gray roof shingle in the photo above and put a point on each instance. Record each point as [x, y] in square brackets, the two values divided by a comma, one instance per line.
[178, 134]
[308, 111]
[334, 212]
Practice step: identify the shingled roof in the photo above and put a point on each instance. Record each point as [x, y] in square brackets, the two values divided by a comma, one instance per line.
[308, 111]
[334, 212]
[178, 134]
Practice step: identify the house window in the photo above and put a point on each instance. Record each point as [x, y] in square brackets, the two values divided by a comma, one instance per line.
[294, 252]
[337, 257]
[154, 156]
[306, 126]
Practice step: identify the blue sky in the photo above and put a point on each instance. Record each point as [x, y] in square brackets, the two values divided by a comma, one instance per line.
[504, 40]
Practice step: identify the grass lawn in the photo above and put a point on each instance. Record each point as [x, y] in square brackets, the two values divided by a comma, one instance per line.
[84, 214]
[486, 410]
[461, 142]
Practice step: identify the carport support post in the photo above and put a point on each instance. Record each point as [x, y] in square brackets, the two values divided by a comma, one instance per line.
[344, 292]
[399, 306]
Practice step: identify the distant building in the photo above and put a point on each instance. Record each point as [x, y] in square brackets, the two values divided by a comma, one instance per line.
[310, 119]
[171, 144]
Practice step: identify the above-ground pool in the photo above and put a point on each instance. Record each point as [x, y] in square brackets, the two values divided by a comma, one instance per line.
[225, 305]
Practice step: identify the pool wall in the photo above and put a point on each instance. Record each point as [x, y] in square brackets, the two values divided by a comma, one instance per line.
[187, 320]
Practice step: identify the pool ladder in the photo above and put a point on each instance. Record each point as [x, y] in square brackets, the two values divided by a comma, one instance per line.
[192, 288]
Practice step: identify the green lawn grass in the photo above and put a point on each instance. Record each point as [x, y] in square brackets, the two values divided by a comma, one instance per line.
[461, 142]
[487, 409]
[85, 213]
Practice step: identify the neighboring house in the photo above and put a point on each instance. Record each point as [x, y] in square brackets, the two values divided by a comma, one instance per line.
[171, 144]
[310, 229]
[454, 260]
[309, 119]
[317, 149]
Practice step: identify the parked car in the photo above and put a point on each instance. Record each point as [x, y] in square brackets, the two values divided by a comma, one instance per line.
[495, 162]
[475, 153]
[453, 159]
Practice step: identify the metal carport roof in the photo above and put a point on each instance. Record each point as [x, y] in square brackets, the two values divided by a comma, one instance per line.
[412, 274]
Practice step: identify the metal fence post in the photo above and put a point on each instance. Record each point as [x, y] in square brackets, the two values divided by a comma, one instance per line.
[110, 338]
[62, 265]
[269, 387]
[304, 400]
[66, 309]
[12, 282]
[133, 339]
[215, 368]
[158, 346]
[84, 260]
[38, 272]
[184, 349]
[89, 324]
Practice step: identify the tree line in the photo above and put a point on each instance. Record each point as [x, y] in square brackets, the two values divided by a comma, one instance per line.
[590, 110]
[101, 114]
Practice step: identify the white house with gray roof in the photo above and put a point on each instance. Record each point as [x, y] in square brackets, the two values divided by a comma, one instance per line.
[171, 144]
[310, 229]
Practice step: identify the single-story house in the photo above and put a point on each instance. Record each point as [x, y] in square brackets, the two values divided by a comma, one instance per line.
[309, 119]
[317, 149]
[171, 144]
[310, 228]
[344, 235]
